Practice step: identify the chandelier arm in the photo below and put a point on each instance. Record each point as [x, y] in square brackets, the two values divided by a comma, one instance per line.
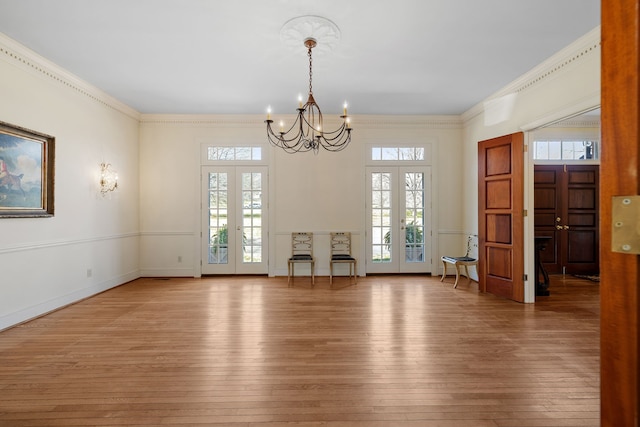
[280, 135]
[277, 138]
[338, 132]
[310, 134]
[300, 146]
[330, 138]
[310, 123]
[302, 121]
[335, 149]
[298, 143]
[339, 141]
[294, 125]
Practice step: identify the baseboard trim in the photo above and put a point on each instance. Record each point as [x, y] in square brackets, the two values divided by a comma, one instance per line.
[38, 310]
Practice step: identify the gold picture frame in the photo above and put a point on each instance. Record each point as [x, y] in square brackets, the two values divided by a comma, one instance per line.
[26, 172]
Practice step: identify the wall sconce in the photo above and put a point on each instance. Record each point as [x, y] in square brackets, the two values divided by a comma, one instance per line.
[108, 178]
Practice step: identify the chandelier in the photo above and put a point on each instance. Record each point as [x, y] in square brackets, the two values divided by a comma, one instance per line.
[307, 132]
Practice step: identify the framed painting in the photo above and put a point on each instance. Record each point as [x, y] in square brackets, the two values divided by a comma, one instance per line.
[26, 172]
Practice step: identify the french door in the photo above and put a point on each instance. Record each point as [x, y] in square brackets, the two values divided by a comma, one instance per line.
[398, 219]
[234, 220]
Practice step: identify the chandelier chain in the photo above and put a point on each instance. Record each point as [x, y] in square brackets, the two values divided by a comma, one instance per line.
[310, 70]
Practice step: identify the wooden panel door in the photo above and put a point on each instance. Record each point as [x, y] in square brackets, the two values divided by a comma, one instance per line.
[566, 209]
[547, 194]
[501, 212]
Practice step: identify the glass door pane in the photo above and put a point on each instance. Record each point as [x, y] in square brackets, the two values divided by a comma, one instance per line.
[381, 211]
[414, 218]
[413, 198]
[218, 220]
[251, 217]
[382, 219]
[218, 215]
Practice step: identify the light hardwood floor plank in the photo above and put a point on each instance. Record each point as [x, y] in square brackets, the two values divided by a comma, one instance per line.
[251, 351]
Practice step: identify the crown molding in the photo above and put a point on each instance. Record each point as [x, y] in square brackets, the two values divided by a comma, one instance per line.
[584, 47]
[205, 120]
[405, 121]
[370, 121]
[16, 54]
[578, 122]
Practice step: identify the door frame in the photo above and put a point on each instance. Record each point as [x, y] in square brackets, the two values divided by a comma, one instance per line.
[619, 272]
[267, 161]
[587, 104]
[400, 169]
[235, 221]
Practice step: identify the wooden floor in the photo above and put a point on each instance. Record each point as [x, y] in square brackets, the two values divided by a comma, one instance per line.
[250, 351]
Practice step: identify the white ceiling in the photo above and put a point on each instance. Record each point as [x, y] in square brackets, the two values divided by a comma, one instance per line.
[226, 57]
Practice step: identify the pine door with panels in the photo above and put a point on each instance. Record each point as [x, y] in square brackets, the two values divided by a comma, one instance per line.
[234, 220]
[501, 216]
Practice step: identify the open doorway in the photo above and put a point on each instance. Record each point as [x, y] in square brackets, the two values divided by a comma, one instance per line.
[564, 184]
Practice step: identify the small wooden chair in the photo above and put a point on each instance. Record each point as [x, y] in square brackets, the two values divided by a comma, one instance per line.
[341, 254]
[460, 261]
[301, 252]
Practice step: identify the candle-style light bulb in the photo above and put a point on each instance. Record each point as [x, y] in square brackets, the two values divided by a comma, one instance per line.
[344, 108]
[281, 126]
[269, 112]
[348, 121]
[299, 100]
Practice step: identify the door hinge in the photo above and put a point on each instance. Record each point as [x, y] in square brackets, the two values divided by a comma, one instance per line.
[525, 277]
[625, 237]
[525, 213]
[526, 148]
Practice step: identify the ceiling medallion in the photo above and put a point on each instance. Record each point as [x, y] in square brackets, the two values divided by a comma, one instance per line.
[325, 32]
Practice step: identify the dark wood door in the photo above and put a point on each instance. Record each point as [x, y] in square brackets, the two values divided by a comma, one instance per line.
[501, 212]
[566, 210]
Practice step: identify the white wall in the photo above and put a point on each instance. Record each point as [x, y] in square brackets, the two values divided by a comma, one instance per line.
[44, 262]
[564, 85]
[318, 193]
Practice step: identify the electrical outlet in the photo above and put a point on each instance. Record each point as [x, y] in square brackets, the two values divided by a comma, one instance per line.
[89, 273]
[179, 258]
